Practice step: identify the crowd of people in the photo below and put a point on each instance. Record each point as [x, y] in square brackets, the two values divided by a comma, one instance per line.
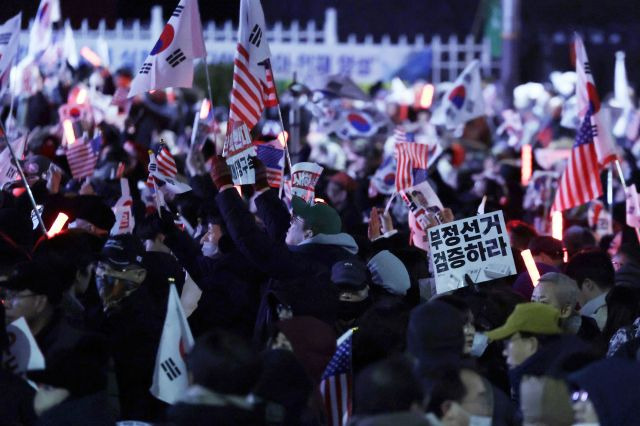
[269, 282]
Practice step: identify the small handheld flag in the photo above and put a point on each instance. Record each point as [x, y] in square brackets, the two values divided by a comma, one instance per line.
[463, 101]
[170, 373]
[82, 156]
[336, 386]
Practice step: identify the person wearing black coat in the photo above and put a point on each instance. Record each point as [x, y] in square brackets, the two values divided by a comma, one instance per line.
[299, 280]
[230, 284]
[133, 324]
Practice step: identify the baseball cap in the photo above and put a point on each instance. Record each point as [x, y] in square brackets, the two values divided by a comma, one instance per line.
[320, 217]
[38, 277]
[350, 273]
[122, 250]
[535, 318]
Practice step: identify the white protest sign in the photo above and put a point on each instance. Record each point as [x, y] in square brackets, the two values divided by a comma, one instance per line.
[476, 246]
[8, 170]
[423, 203]
[238, 151]
[122, 210]
[23, 354]
[304, 177]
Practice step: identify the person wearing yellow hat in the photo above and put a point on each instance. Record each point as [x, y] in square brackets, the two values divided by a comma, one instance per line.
[534, 343]
[525, 330]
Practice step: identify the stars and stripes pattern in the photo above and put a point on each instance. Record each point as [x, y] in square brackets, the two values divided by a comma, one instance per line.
[336, 385]
[401, 136]
[580, 181]
[269, 87]
[272, 156]
[413, 160]
[253, 87]
[82, 156]
[249, 94]
[166, 163]
[589, 102]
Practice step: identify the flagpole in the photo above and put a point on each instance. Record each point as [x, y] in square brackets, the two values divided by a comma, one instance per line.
[206, 71]
[286, 140]
[11, 95]
[24, 178]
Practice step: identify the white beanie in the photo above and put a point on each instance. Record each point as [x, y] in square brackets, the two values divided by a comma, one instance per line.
[389, 272]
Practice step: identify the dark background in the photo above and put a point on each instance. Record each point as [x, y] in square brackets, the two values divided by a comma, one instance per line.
[547, 25]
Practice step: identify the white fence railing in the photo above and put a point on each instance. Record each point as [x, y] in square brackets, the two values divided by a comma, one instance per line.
[308, 50]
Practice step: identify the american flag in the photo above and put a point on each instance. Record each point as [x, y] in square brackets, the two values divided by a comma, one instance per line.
[401, 136]
[162, 168]
[336, 386]
[156, 195]
[253, 88]
[580, 181]
[272, 155]
[269, 87]
[589, 102]
[249, 94]
[82, 156]
[165, 162]
[413, 162]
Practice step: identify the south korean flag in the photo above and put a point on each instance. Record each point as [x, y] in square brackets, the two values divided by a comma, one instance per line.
[170, 374]
[170, 63]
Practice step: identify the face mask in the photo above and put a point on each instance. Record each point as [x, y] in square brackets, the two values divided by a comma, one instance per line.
[112, 290]
[352, 310]
[209, 249]
[479, 421]
[480, 343]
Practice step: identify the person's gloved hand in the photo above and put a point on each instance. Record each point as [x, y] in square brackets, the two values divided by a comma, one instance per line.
[220, 172]
[261, 175]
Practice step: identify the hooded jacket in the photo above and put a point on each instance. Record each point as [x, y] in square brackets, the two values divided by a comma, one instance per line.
[612, 386]
[297, 281]
[548, 360]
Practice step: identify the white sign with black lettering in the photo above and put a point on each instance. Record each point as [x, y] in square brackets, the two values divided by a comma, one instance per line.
[238, 151]
[476, 246]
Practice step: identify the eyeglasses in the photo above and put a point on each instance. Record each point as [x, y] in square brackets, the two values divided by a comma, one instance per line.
[579, 396]
[10, 296]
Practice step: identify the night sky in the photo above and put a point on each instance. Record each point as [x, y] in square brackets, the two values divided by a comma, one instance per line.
[541, 19]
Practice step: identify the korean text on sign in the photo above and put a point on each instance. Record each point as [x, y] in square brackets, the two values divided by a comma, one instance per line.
[477, 246]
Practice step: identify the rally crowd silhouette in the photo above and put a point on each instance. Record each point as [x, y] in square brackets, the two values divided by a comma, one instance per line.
[405, 255]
